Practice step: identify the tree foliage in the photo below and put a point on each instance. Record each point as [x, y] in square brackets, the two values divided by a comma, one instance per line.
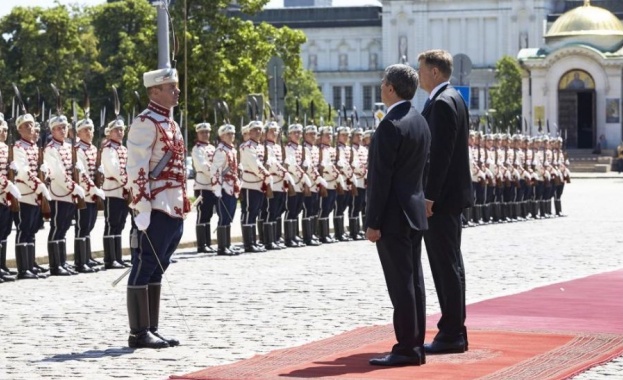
[506, 97]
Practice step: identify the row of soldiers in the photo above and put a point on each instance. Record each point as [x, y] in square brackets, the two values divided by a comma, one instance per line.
[309, 175]
[516, 177]
[52, 179]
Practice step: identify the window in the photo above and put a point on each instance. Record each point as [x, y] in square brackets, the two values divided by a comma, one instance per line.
[348, 97]
[367, 98]
[337, 97]
[475, 99]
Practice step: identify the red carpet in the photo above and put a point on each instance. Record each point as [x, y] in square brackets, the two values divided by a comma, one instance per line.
[551, 332]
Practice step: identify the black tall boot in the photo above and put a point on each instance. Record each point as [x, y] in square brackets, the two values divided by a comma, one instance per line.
[475, 214]
[21, 259]
[3, 246]
[325, 236]
[278, 226]
[542, 208]
[558, 207]
[260, 231]
[315, 227]
[54, 256]
[119, 252]
[289, 231]
[297, 233]
[236, 250]
[338, 228]
[269, 236]
[109, 254]
[204, 238]
[307, 233]
[138, 316]
[90, 260]
[548, 208]
[80, 256]
[247, 239]
[353, 228]
[221, 238]
[35, 268]
[62, 246]
[153, 291]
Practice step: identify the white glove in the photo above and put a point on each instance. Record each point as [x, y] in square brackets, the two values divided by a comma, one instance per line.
[44, 168]
[322, 182]
[79, 166]
[13, 166]
[306, 180]
[306, 163]
[290, 161]
[341, 164]
[79, 191]
[41, 189]
[142, 220]
[218, 191]
[101, 169]
[100, 193]
[289, 179]
[355, 181]
[14, 190]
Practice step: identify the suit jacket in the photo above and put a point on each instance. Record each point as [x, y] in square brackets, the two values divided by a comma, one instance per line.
[448, 179]
[396, 159]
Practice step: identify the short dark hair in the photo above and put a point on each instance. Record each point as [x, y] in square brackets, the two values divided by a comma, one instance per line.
[404, 80]
[440, 59]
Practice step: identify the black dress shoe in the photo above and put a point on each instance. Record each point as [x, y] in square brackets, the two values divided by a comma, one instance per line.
[171, 341]
[438, 347]
[146, 339]
[395, 360]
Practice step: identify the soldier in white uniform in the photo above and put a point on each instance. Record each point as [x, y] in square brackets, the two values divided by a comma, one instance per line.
[331, 175]
[25, 164]
[226, 187]
[293, 162]
[114, 159]
[157, 182]
[311, 204]
[8, 193]
[58, 158]
[203, 154]
[360, 172]
[256, 181]
[86, 154]
[345, 163]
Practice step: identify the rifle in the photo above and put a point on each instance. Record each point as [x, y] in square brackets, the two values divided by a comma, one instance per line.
[322, 191]
[10, 144]
[354, 116]
[80, 203]
[338, 187]
[45, 204]
[290, 186]
[306, 189]
[256, 114]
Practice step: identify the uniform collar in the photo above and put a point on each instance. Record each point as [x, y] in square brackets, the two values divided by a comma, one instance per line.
[157, 108]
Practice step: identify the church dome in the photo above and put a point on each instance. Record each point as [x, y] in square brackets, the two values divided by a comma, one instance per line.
[587, 25]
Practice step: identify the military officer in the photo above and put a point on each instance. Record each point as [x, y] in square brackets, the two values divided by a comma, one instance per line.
[58, 158]
[8, 193]
[114, 159]
[311, 204]
[256, 182]
[25, 163]
[157, 182]
[360, 172]
[86, 154]
[226, 187]
[301, 183]
[332, 176]
[203, 154]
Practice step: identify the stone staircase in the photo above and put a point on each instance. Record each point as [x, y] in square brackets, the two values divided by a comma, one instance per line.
[584, 161]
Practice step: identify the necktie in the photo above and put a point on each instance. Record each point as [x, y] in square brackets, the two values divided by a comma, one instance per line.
[426, 103]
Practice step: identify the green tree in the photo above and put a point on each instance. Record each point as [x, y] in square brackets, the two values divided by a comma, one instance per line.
[506, 96]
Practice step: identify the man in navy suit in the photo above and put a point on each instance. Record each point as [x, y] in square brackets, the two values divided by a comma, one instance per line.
[396, 211]
[448, 189]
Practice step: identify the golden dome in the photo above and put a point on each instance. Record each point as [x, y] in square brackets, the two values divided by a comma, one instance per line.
[586, 20]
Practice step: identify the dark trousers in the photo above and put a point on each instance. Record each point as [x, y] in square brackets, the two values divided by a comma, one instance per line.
[5, 222]
[226, 209]
[480, 190]
[356, 203]
[116, 213]
[275, 206]
[26, 223]
[400, 252]
[538, 190]
[205, 209]
[164, 234]
[311, 205]
[60, 220]
[85, 220]
[499, 193]
[559, 190]
[490, 194]
[341, 201]
[293, 206]
[327, 203]
[250, 203]
[521, 191]
[443, 245]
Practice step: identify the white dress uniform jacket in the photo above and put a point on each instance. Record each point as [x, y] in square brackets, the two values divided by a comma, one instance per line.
[293, 163]
[203, 154]
[25, 158]
[57, 156]
[224, 171]
[329, 171]
[254, 175]
[114, 161]
[311, 164]
[86, 154]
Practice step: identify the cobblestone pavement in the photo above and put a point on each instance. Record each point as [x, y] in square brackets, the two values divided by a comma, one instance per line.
[76, 327]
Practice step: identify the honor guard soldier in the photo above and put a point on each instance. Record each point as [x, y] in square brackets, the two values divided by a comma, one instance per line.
[25, 164]
[114, 159]
[226, 187]
[561, 163]
[86, 154]
[311, 204]
[58, 158]
[281, 181]
[8, 193]
[256, 184]
[203, 154]
[332, 176]
[360, 171]
[344, 162]
[301, 183]
[157, 181]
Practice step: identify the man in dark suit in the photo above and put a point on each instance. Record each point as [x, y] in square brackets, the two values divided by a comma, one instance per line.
[448, 189]
[396, 211]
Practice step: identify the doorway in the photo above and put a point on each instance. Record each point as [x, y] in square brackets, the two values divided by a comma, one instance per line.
[576, 109]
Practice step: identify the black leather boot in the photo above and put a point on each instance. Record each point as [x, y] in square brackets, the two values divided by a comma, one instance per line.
[315, 228]
[258, 245]
[307, 233]
[54, 256]
[138, 316]
[119, 252]
[325, 236]
[297, 233]
[221, 238]
[200, 233]
[269, 237]
[235, 249]
[80, 256]
[260, 232]
[339, 230]
[542, 208]
[153, 291]
[247, 239]
[558, 207]
[278, 226]
[353, 228]
[109, 254]
[63, 257]
[21, 259]
[290, 232]
[34, 267]
[90, 260]
[3, 247]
